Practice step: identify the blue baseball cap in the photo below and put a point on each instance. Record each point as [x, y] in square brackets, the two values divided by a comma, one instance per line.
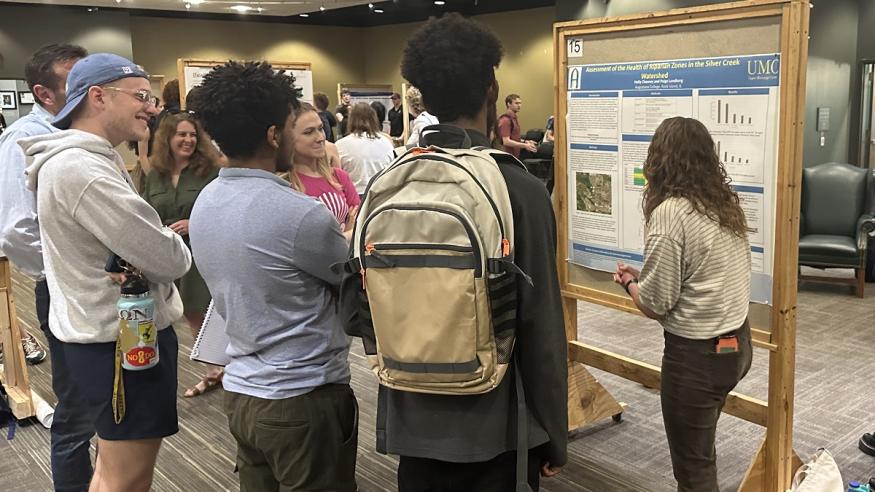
[96, 69]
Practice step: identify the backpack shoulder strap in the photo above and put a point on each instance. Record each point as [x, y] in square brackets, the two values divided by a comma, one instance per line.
[502, 157]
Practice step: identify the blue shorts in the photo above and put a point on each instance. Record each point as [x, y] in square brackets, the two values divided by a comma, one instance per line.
[150, 395]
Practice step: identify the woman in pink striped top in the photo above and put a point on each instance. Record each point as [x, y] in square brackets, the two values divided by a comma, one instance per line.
[314, 176]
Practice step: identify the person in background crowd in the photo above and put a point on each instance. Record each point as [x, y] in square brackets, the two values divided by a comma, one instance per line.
[421, 118]
[548, 133]
[696, 282]
[268, 265]
[380, 111]
[342, 112]
[365, 151]
[396, 116]
[88, 210]
[469, 443]
[313, 175]
[320, 100]
[184, 161]
[172, 103]
[72, 427]
[2, 123]
[509, 128]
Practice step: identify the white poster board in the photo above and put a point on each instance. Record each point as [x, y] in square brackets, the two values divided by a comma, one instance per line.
[193, 72]
[613, 110]
[371, 93]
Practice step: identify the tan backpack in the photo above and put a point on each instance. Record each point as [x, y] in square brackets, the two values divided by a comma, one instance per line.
[433, 242]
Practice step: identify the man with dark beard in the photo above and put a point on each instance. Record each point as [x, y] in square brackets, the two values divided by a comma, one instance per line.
[265, 252]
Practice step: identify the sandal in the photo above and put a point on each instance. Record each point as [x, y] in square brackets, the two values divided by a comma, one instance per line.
[205, 385]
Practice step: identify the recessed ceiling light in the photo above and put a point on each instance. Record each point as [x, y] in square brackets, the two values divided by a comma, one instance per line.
[259, 10]
[92, 9]
[304, 15]
[241, 8]
[439, 2]
[378, 11]
[118, 1]
[371, 6]
[195, 2]
[322, 8]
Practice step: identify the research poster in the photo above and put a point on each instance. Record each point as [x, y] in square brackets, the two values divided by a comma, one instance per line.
[194, 76]
[382, 97]
[613, 111]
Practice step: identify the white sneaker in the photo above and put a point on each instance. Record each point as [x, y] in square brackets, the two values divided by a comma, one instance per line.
[34, 353]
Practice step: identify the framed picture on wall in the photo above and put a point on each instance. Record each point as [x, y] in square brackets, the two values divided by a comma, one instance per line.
[25, 97]
[7, 100]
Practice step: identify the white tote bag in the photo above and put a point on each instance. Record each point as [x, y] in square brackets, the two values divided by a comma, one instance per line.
[821, 474]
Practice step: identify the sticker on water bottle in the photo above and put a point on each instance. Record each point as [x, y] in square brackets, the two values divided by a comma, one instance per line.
[137, 343]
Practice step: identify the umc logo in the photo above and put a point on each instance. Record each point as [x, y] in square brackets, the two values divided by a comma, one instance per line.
[763, 67]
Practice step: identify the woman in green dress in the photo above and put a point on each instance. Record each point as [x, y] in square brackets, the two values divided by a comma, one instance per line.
[183, 162]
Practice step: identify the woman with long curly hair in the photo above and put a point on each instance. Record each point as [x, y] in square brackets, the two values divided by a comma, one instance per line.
[696, 282]
[183, 162]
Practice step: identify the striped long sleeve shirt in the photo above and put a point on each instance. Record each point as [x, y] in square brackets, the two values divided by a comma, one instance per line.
[696, 274]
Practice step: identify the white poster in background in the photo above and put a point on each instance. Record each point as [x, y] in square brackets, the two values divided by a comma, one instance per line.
[194, 76]
[613, 111]
[303, 81]
[382, 97]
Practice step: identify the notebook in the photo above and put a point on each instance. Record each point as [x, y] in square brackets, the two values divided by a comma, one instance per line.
[212, 340]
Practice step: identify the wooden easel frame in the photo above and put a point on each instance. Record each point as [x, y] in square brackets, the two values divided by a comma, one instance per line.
[181, 63]
[406, 107]
[772, 468]
[14, 376]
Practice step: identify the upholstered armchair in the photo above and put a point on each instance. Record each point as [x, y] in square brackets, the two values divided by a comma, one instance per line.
[836, 219]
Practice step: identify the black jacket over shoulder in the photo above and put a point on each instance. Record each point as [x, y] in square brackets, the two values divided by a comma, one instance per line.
[475, 428]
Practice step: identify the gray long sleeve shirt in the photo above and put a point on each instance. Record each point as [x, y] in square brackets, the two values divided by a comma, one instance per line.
[265, 252]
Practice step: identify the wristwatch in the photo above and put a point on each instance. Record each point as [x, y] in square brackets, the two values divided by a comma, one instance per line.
[626, 285]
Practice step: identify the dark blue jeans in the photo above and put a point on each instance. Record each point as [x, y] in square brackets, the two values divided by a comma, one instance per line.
[73, 424]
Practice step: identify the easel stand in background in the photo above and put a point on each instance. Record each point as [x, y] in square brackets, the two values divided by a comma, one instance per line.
[741, 28]
[14, 375]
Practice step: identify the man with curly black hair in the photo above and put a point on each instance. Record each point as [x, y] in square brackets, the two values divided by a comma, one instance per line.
[461, 443]
[267, 265]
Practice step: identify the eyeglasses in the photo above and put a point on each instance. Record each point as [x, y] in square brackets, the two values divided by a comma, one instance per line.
[141, 95]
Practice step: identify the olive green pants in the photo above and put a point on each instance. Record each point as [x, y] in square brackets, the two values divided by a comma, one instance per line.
[307, 442]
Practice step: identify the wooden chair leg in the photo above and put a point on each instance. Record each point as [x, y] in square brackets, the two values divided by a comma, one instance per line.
[861, 281]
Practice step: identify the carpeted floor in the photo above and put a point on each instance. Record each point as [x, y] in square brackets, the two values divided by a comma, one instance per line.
[834, 395]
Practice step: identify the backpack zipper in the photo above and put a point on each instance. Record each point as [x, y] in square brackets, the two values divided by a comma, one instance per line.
[448, 247]
[374, 250]
[475, 244]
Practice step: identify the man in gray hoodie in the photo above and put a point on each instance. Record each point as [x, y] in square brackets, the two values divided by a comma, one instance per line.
[88, 209]
[72, 428]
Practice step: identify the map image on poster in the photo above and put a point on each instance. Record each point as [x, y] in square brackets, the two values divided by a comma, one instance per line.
[613, 111]
[594, 193]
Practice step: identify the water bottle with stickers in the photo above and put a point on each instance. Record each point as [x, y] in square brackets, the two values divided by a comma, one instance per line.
[137, 333]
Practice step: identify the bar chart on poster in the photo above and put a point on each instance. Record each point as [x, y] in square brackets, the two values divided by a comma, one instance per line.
[613, 112]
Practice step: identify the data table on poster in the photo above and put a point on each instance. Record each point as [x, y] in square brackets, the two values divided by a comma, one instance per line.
[613, 112]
